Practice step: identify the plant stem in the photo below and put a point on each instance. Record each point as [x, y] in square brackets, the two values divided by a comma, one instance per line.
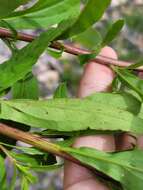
[35, 141]
[5, 33]
[46, 146]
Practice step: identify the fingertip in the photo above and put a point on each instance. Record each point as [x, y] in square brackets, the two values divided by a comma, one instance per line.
[109, 52]
[97, 77]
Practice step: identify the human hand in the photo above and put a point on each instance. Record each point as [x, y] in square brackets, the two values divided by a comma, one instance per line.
[96, 78]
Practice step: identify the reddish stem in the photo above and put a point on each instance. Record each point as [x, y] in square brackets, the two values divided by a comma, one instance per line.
[5, 33]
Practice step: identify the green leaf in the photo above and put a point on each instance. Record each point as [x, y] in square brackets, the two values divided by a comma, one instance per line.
[72, 115]
[46, 168]
[125, 167]
[92, 12]
[24, 183]
[26, 150]
[21, 63]
[26, 88]
[24, 170]
[90, 39]
[44, 14]
[6, 6]
[2, 170]
[61, 91]
[55, 53]
[131, 80]
[25, 159]
[113, 32]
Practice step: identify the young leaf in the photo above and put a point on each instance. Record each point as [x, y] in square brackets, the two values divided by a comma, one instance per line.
[26, 88]
[61, 91]
[132, 81]
[113, 32]
[124, 167]
[21, 63]
[92, 12]
[44, 14]
[71, 115]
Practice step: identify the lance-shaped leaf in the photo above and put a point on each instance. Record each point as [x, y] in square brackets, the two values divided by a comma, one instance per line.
[21, 62]
[131, 80]
[45, 13]
[124, 167]
[113, 32]
[71, 115]
[92, 12]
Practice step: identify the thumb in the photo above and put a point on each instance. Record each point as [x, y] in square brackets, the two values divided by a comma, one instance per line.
[96, 78]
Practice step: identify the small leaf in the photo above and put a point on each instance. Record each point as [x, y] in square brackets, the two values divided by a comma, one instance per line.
[26, 88]
[113, 32]
[132, 81]
[61, 91]
[91, 13]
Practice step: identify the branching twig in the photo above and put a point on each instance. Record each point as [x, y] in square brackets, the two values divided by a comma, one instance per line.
[5, 33]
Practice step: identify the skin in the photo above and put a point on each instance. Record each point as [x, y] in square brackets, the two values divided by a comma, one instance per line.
[96, 78]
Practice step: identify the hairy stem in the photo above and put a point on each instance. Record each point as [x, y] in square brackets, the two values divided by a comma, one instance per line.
[5, 33]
